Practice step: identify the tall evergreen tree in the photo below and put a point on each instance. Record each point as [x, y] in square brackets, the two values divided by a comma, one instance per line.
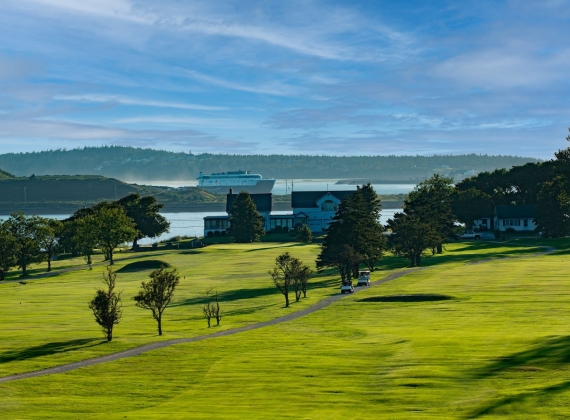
[430, 203]
[355, 236]
[368, 240]
[246, 223]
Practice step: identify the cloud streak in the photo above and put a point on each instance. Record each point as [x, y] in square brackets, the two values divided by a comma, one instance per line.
[123, 100]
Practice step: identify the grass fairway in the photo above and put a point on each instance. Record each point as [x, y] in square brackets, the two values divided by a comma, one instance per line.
[497, 345]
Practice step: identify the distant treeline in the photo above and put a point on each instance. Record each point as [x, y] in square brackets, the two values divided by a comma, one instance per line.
[127, 163]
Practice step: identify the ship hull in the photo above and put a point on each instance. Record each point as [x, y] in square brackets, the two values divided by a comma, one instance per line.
[263, 186]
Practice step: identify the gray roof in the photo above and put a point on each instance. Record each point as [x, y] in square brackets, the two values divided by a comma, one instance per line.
[308, 199]
[515, 212]
[263, 202]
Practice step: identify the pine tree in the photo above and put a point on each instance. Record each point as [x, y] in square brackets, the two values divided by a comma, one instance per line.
[246, 224]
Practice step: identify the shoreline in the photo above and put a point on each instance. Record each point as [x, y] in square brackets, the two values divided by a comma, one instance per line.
[42, 209]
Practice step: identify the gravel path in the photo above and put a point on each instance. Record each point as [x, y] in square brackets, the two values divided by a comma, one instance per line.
[161, 344]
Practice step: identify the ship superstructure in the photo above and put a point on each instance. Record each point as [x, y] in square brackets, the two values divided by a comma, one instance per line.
[221, 182]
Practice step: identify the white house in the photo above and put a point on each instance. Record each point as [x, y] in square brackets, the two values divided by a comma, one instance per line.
[519, 218]
[316, 208]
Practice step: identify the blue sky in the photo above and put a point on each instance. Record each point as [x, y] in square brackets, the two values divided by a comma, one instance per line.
[315, 77]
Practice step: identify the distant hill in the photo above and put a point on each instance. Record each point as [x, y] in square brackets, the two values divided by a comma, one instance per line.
[73, 192]
[5, 175]
[134, 164]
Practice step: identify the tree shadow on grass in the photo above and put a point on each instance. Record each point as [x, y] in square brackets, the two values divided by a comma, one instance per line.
[233, 295]
[48, 349]
[551, 353]
[466, 255]
[292, 245]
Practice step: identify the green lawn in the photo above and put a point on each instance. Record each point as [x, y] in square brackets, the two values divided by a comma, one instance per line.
[498, 347]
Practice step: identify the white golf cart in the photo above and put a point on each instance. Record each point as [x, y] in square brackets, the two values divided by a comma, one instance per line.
[363, 278]
[347, 288]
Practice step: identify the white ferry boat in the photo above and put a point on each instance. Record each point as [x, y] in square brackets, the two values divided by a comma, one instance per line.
[239, 181]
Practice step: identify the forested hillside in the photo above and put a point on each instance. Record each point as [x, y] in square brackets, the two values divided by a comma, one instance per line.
[78, 191]
[127, 163]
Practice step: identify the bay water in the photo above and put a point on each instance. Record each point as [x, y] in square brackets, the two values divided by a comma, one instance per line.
[192, 223]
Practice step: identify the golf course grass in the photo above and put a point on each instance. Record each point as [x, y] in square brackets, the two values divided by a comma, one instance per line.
[494, 343]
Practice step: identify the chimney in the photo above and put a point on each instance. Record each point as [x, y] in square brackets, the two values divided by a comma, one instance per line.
[231, 191]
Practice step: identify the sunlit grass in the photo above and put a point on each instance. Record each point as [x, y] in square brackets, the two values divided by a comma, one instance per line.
[498, 346]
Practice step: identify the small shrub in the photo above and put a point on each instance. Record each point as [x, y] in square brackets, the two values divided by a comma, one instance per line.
[217, 233]
[278, 229]
[155, 246]
[285, 229]
[510, 230]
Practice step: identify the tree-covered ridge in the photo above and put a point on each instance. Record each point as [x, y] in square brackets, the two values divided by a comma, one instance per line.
[49, 189]
[128, 163]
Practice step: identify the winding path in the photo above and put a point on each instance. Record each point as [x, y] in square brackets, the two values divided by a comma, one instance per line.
[161, 344]
[289, 317]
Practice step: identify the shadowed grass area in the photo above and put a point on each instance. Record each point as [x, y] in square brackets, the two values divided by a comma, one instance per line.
[143, 265]
[421, 297]
[48, 349]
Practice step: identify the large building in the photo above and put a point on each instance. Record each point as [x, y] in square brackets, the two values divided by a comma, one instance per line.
[313, 208]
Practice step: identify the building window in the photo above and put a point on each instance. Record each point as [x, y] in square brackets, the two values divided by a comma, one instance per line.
[281, 223]
[328, 206]
[216, 223]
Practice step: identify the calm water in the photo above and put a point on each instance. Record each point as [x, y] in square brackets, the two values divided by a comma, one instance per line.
[283, 186]
[192, 224]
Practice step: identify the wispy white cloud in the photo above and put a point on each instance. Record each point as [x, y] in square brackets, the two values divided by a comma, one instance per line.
[228, 123]
[121, 9]
[274, 88]
[125, 100]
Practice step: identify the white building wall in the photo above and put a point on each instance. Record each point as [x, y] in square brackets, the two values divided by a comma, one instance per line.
[317, 220]
[516, 224]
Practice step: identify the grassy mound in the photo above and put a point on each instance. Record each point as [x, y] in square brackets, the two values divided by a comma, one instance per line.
[5, 175]
[143, 265]
[420, 297]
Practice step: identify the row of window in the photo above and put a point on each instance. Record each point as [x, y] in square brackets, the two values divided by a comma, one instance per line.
[281, 222]
[515, 222]
[216, 223]
[225, 223]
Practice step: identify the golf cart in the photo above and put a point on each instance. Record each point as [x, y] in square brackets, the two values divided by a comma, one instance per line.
[363, 278]
[347, 287]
